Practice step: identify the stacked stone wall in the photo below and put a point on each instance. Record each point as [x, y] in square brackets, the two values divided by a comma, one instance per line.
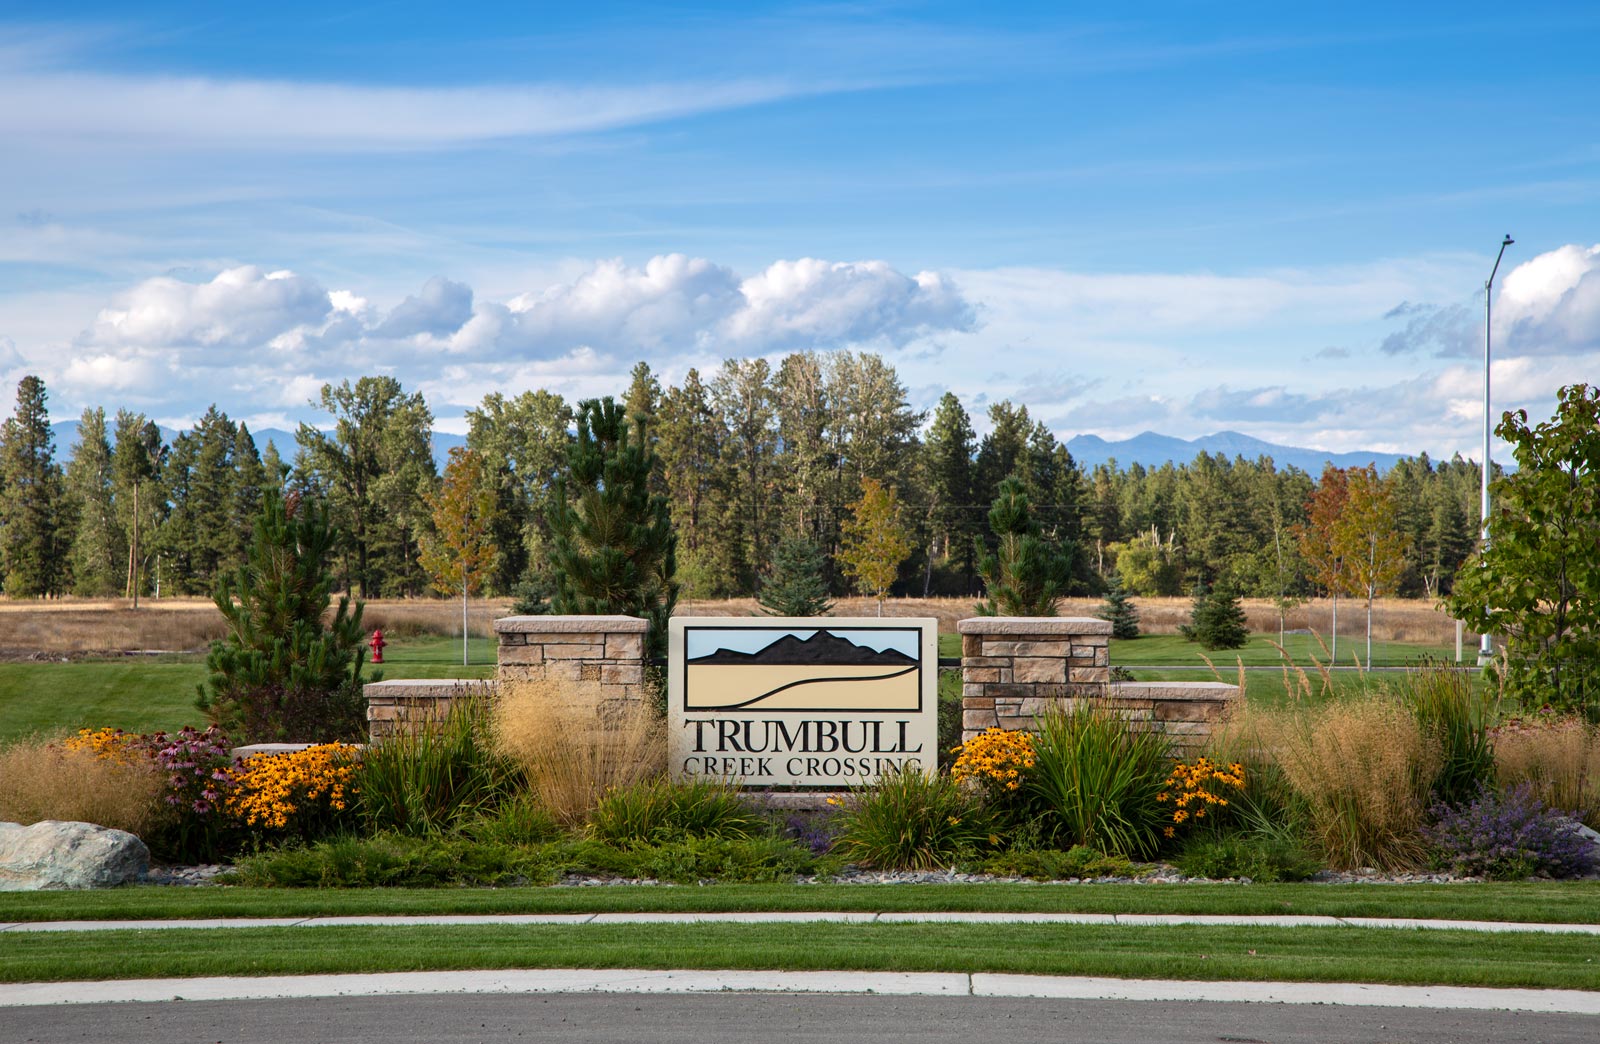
[1014, 669]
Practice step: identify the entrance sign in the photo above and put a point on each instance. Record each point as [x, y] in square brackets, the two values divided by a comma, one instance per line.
[802, 701]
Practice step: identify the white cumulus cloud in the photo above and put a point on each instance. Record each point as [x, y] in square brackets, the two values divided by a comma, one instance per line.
[241, 307]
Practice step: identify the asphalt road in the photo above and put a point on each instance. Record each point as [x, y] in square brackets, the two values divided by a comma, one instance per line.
[771, 1019]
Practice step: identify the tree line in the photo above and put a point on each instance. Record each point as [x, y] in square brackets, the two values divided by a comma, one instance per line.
[756, 455]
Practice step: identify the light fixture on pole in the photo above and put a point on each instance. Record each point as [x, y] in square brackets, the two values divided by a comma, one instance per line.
[1485, 642]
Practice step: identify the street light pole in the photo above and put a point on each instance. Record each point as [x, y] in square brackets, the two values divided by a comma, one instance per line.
[1485, 641]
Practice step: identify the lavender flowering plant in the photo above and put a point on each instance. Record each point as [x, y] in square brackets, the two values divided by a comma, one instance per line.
[1508, 835]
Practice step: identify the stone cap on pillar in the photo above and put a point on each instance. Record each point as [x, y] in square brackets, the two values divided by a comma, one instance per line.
[569, 624]
[1033, 625]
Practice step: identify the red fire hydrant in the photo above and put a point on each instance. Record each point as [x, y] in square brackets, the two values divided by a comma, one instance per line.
[377, 644]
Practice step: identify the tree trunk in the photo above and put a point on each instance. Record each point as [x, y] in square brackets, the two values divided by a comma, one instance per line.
[463, 614]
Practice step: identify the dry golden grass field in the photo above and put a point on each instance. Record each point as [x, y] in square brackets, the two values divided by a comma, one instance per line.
[77, 626]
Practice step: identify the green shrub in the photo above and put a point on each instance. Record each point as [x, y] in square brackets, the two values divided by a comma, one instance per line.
[393, 860]
[910, 820]
[1458, 717]
[428, 779]
[1262, 859]
[519, 820]
[1049, 864]
[1096, 780]
[657, 811]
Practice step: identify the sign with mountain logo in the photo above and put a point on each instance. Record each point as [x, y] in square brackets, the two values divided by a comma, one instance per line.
[802, 701]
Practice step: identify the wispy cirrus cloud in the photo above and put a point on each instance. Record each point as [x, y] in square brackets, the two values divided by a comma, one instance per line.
[168, 111]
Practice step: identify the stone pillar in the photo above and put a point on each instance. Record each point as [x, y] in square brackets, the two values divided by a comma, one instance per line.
[1015, 668]
[605, 650]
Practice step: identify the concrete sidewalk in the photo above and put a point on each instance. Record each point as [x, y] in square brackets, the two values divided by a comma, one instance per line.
[626, 981]
[1265, 921]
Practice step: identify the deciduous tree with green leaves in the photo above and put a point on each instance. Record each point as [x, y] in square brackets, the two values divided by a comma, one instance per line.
[875, 540]
[1318, 538]
[460, 553]
[1368, 539]
[1537, 584]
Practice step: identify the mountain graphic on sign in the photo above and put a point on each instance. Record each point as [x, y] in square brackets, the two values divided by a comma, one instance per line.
[821, 672]
[822, 648]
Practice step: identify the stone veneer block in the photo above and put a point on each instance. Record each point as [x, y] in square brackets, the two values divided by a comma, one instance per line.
[1041, 669]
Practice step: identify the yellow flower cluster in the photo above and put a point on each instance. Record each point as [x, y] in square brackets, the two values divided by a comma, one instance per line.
[125, 748]
[1198, 787]
[995, 758]
[269, 790]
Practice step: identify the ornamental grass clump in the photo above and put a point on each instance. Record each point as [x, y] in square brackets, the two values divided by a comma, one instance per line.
[113, 785]
[301, 793]
[572, 747]
[1364, 767]
[1559, 759]
[655, 811]
[435, 774]
[1096, 781]
[1457, 716]
[912, 820]
[1508, 836]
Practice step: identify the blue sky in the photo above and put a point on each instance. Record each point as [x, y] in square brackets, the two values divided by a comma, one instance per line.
[1184, 217]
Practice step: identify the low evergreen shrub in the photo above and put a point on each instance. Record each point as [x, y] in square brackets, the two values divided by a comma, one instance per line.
[1049, 864]
[1261, 859]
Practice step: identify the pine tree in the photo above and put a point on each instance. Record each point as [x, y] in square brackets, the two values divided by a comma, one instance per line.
[1026, 573]
[947, 463]
[612, 546]
[99, 554]
[281, 674]
[795, 585]
[33, 541]
[1119, 610]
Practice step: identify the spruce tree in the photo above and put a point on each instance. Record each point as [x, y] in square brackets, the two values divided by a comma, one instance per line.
[33, 542]
[1217, 620]
[613, 550]
[795, 584]
[1119, 610]
[282, 674]
[1026, 573]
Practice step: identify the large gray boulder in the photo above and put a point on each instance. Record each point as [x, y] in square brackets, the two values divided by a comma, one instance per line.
[55, 855]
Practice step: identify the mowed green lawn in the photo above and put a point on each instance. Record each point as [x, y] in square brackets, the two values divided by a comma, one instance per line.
[1344, 954]
[147, 693]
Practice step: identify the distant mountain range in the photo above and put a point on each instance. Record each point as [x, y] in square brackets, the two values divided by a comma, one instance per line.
[1147, 448]
[822, 648]
[1153, 450]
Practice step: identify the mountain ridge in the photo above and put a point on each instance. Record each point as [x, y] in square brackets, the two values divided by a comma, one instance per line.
[1151, 450]
[823, 648]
